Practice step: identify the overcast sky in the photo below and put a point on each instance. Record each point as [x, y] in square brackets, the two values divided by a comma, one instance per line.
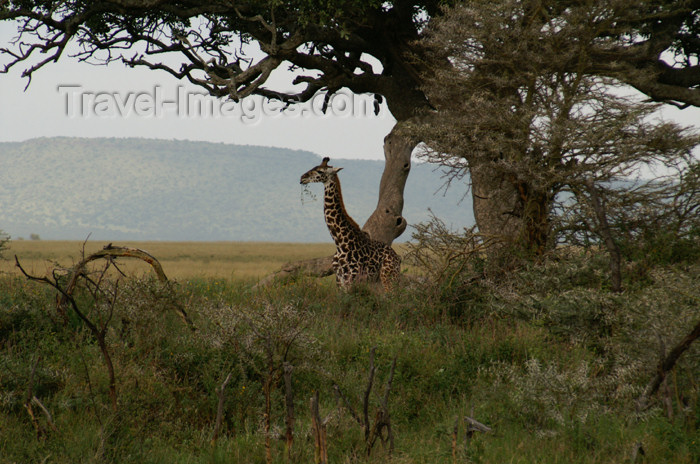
[76, 99]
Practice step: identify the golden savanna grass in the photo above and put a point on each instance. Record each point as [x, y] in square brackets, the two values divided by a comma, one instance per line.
[180, 260]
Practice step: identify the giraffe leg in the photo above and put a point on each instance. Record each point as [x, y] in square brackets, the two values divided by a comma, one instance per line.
[390, 270]
[343, 275]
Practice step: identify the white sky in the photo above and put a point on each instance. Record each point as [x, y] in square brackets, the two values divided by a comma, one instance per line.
[76, 99]
[69, 98]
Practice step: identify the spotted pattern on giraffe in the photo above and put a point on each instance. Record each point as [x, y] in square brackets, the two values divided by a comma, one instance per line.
[357, 257]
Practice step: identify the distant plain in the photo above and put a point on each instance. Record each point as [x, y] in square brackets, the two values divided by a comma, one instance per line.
[180, 260]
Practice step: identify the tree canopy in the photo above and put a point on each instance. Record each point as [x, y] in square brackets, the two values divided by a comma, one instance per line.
[653, 46]
[215, 45]
[556, 151]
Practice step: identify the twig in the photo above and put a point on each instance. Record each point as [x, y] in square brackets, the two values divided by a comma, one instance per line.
[98, 333]
[28, 398]
[49, 418]
[455, 431]
[382, 418]
[365, 399]
[289, 401]
[318, 428]
[340, 396]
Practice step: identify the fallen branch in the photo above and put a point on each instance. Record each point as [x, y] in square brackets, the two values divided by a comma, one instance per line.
[316, 267]
[474, 425]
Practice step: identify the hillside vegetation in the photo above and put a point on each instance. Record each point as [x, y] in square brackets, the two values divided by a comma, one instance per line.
[542, 353]
[140, 189]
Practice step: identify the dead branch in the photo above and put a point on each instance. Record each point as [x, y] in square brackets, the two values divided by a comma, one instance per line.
[289, 401]
[365, 399]
[99, 333]
[110, 253]
[340, 396]
[474, 425]
[98, 328]
[381, 427]
[316, 267]
[665, 365]
[220, 408]
[318, 430]
[382, 420]
[44, 409]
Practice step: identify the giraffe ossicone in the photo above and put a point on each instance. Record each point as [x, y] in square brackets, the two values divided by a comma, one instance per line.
[357, 257]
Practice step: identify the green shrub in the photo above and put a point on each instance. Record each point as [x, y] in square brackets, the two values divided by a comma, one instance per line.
[545, 355]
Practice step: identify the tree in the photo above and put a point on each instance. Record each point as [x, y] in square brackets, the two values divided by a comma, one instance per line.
[333, 45]
[526, 112]
[653, 223]
[336, 44]
[4, 239]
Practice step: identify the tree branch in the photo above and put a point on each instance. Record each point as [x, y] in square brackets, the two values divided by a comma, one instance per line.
[665, 365]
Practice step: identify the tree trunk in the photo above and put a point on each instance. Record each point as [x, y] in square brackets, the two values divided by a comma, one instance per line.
[605, 232]
[509, 210]
[387, 223]
[495, 201]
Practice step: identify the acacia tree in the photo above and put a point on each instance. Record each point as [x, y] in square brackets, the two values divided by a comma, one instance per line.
[526, 113]
[4, 238]
[334, 45]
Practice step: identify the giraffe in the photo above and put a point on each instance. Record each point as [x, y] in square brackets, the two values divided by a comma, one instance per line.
[357, 256]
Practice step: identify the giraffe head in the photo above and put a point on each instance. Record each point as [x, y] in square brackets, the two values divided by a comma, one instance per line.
[321, 173]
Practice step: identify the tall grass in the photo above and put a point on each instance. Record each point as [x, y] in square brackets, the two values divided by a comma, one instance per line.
[548, 358]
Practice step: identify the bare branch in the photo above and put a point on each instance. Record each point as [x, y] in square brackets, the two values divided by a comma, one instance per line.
[340, 396]
[368, 389]
[665, 365]
[220, 407]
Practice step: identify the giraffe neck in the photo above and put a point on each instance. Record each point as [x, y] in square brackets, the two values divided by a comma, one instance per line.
[342, 227]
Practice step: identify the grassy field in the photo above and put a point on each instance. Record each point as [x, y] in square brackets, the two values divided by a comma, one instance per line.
[244, 261]
[545, 355]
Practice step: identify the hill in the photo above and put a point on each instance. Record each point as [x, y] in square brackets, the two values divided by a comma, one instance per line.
[144, 189]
